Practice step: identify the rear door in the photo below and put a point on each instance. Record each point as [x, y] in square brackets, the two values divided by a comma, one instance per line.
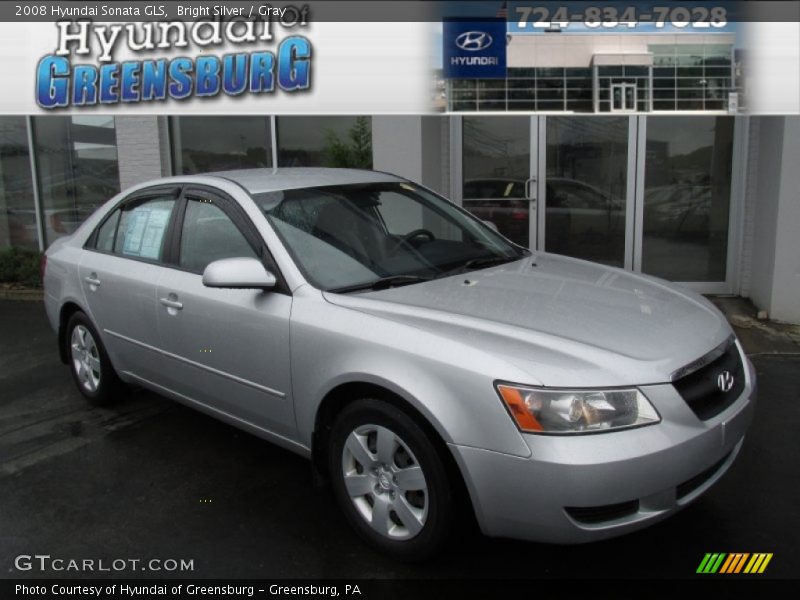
[119, 269]
[228, 348]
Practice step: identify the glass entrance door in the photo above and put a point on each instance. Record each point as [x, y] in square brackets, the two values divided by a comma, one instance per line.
[588, 189]
[623, 97]
[498, 182]
[650, 194]
[578, 168]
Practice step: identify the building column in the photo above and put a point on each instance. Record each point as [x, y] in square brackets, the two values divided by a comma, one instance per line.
[142, 145]
[775, 260]
[414, 147]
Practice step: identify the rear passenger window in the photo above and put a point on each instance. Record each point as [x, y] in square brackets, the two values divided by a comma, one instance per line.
[105, 235]
[143, 227]
[208, 234]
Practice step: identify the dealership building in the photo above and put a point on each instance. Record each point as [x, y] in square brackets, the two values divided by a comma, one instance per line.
[711, 201]
[607, 73]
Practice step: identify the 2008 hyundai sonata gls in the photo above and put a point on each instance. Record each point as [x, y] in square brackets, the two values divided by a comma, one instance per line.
[419, 358]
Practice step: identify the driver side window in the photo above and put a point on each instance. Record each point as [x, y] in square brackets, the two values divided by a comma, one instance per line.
[208, 234]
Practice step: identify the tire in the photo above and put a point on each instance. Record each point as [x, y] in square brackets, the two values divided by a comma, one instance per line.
[397, 496]
[89, 364]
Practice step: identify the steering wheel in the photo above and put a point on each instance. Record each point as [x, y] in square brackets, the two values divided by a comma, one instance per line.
[406, 239]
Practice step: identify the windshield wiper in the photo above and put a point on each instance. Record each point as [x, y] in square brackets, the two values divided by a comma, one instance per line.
[488, 261]
[381, 284]
[480, 263]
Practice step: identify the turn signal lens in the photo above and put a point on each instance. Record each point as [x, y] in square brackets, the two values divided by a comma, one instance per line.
[539, 410]
[519, 410]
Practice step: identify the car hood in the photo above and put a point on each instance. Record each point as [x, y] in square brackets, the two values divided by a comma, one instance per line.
[563, 321]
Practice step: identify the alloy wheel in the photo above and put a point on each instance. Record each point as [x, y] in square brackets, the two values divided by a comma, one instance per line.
[85, 358]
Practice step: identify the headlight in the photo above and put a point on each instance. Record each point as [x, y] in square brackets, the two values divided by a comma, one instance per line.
[538, 410]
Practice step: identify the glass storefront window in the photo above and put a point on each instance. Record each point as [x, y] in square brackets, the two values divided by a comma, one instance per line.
[76, 160]
[496, 165]
[687, 197]
[310, 141]
[521, 72]
[204, 144]
[579, 73]
[586, 188]
[701, 79]
[17, 209]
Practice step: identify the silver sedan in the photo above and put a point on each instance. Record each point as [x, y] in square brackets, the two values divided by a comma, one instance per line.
[419, 359]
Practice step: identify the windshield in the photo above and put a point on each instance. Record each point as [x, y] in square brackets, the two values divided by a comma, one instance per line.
[351, 236]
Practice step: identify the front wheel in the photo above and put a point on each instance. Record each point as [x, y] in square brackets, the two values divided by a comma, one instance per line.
[389, 480]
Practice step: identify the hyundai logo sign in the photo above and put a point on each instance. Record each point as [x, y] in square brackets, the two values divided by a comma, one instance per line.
[474, 49]
[474, 41]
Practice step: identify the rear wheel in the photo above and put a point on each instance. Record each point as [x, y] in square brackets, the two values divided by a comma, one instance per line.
[389, 480]
[91, 369]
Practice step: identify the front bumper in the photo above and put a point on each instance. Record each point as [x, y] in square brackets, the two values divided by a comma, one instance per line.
[588, 487]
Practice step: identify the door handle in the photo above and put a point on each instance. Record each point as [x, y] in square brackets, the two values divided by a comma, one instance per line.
[92, 280]
[171, 303]
[529, 187]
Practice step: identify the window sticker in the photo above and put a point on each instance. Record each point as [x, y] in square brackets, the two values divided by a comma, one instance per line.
[145, 231]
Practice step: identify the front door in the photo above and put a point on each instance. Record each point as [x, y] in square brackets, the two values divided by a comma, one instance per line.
[228, 348]
[623, 97]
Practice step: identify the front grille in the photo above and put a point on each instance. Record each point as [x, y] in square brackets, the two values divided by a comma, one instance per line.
[592, 515]
[690, 485]
[701, 391]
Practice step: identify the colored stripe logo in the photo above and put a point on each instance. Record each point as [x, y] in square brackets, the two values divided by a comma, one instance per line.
[734, 562]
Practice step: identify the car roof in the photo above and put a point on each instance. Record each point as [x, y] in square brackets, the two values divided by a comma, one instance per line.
[256, 181]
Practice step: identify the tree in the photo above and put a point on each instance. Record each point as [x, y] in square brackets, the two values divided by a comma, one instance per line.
[355, 151]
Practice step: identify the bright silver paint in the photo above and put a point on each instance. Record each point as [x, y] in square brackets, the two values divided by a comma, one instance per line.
[243, 273]
[544, 320]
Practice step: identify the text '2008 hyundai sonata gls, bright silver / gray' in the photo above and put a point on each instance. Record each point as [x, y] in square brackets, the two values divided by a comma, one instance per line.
[416, 356]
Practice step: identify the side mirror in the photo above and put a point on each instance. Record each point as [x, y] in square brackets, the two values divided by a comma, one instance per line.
[238, 273]
[491, 225]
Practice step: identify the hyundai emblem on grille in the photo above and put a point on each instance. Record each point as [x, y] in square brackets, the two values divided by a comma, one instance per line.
[725, 381]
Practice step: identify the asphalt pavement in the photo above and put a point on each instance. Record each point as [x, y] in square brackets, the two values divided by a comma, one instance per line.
[148, 478]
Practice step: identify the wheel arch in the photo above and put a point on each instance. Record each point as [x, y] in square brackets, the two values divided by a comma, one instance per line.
[65, 313]
[343, 394]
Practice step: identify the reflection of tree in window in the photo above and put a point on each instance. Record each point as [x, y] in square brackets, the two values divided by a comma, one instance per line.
[324, 141]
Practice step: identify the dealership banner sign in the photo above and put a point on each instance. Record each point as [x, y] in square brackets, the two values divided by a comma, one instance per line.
[349, 56]
[81, 71]
[193, 57]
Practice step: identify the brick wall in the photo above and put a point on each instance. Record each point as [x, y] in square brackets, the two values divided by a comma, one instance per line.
[141, 142]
